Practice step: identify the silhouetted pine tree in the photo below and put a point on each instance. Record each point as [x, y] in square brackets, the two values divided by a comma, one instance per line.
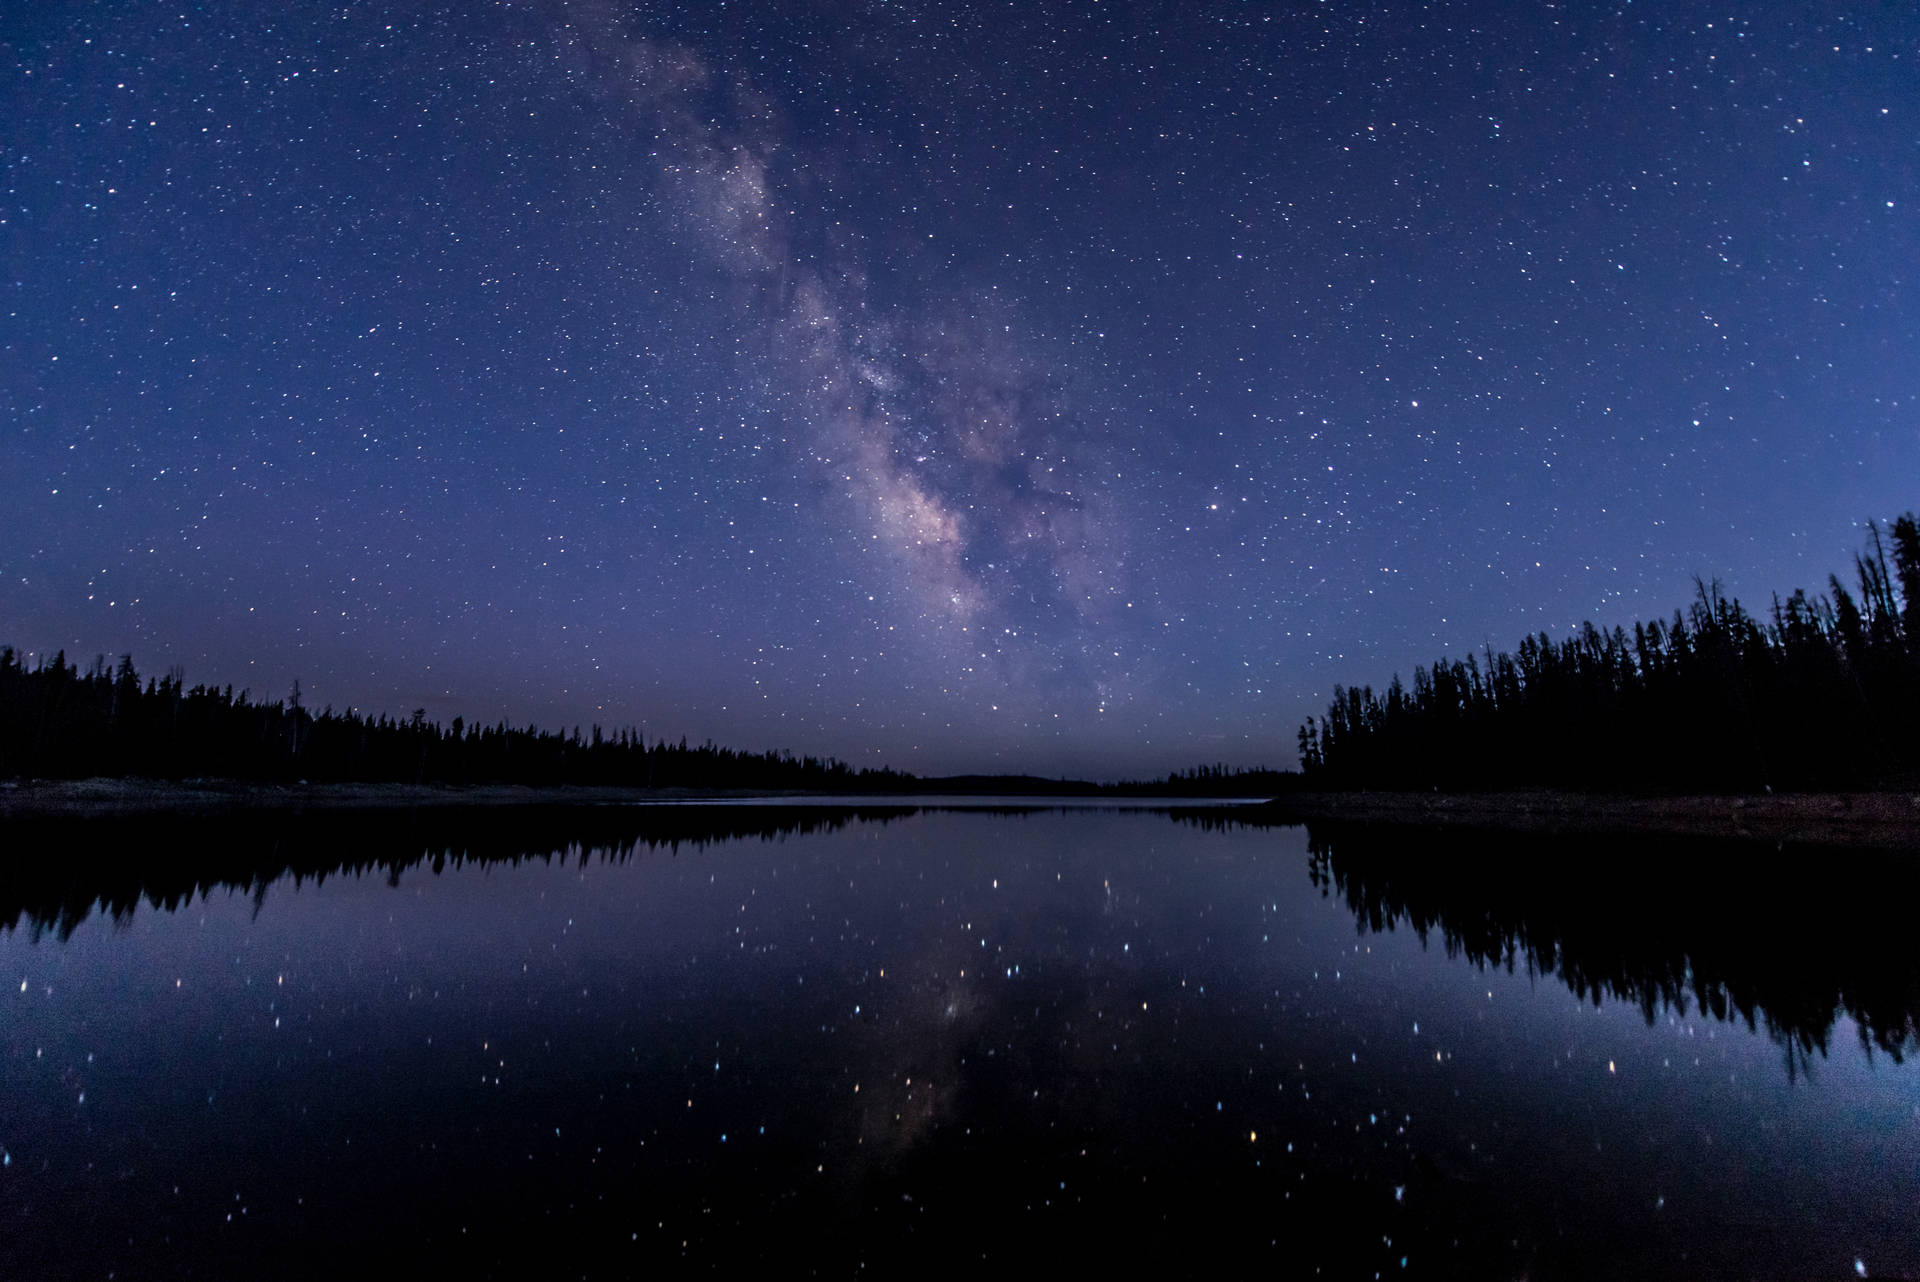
[1824, 695]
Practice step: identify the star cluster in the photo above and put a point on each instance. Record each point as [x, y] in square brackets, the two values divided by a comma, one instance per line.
[1067, 387]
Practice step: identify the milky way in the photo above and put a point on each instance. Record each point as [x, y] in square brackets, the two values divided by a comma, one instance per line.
[1063, 387]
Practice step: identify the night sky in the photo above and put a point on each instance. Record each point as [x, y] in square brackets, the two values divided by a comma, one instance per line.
[1068, 387]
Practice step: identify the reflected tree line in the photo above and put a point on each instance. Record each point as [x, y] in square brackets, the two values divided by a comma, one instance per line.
[1668, 926]
[1823, 692]
[59, 870]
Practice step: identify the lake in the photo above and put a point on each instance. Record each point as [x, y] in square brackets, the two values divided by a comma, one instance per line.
[612, 1040]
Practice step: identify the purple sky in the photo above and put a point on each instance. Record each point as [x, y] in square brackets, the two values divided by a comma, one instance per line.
[1076, 388]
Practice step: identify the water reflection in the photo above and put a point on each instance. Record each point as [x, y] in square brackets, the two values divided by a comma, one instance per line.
[848, 1037]
[1781, 942]
[60, 870]
[1784, 941]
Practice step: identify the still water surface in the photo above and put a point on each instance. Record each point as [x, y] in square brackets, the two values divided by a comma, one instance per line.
[621, 1041]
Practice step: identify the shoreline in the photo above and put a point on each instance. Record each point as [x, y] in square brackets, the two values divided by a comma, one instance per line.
[1881, 820]
[82, 798]
[102, 797]
[1886, 820]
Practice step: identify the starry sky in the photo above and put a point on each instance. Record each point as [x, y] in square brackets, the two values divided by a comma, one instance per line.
[1061, 387]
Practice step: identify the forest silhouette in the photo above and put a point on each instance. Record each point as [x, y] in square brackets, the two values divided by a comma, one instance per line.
[58, 721]
[1824, 693]
[1821, 694]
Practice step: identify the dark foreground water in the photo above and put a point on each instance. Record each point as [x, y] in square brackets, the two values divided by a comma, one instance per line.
[616, 1042]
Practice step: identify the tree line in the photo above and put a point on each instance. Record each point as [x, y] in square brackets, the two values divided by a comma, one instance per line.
[60, 722]
[1822, 692]
[1218, 780]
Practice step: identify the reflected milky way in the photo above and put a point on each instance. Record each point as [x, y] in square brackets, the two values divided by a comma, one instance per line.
[1014, 1035]
[1790, 952]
